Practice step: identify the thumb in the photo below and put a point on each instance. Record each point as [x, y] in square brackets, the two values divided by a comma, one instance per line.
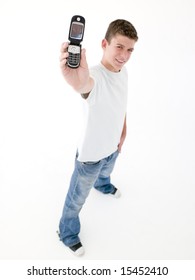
[83, 62]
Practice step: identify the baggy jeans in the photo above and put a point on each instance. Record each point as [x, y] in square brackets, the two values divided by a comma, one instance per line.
[85, 176]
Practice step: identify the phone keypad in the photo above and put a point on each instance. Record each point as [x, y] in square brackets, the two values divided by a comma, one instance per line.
[74, 56]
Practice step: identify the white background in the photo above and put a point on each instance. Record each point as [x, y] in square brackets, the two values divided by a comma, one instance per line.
[39, 124]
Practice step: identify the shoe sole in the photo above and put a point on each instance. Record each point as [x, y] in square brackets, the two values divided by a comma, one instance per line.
[78, 253]
[116, 195]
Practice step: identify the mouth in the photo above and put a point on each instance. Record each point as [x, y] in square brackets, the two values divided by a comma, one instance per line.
[119, 61]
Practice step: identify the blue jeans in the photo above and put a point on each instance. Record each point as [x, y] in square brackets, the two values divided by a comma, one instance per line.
[85, 176]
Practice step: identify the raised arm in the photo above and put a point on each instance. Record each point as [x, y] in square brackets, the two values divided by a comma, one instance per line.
[78, 78]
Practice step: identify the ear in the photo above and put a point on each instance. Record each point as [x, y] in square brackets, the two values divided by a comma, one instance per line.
[104, 43]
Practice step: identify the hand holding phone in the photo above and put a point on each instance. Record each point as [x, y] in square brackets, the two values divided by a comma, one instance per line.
[76, 33]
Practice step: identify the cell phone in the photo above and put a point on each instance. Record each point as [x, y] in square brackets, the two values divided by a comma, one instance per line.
[76, 33]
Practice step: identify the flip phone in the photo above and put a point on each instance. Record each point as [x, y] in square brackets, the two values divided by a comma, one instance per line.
[76, 33]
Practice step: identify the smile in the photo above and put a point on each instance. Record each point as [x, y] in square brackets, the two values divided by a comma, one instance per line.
[120, 61]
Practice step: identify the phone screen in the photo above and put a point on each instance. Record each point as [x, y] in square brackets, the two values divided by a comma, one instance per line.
[77, 30]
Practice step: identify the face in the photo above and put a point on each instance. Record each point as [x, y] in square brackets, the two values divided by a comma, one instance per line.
[117, 53]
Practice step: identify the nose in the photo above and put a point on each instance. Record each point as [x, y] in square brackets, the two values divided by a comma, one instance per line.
[125, 55]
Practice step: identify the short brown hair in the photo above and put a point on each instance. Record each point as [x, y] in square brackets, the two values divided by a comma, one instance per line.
[122, 27]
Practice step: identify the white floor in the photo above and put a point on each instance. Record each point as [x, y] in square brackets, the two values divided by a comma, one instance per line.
[153, 219]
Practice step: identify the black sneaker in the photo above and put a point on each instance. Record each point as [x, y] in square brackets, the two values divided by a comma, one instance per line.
[77, 249]
[116, 193]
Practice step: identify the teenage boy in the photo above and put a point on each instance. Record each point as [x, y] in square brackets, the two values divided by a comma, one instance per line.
[104, 88]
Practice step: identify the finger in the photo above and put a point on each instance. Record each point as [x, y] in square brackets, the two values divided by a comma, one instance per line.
[83, 59]
[63, 56]
[63, 63]
[119, 147]
[64, 47]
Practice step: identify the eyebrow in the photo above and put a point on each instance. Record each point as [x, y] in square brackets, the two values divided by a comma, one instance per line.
[119, 44]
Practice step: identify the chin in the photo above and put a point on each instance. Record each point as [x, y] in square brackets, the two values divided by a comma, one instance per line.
[118, 68]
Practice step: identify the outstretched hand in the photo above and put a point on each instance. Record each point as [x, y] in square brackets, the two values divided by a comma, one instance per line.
[78, 78]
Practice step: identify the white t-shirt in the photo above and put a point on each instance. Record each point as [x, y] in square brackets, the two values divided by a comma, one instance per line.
[105, 111]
